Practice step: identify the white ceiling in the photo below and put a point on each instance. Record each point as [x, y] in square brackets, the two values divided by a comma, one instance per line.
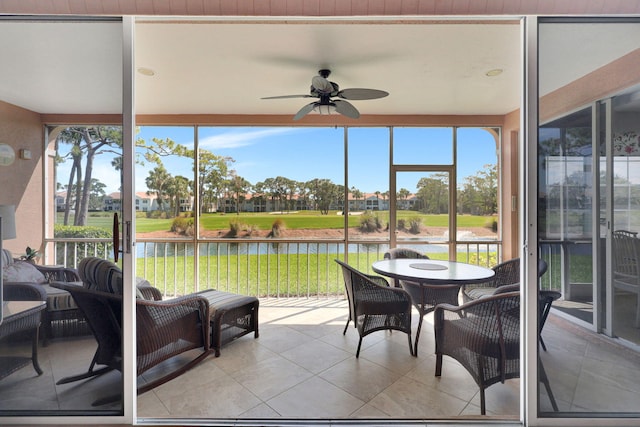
[427, 69]
[226, 66]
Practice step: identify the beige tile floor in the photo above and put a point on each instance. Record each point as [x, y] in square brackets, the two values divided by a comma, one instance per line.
[302, 367]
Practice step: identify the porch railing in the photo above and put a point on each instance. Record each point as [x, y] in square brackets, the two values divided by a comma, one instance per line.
[260, 267]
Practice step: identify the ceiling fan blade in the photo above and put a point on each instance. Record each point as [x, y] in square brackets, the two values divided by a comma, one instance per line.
[346, 109]
[288, 96]
[304, 111]
[362, 94]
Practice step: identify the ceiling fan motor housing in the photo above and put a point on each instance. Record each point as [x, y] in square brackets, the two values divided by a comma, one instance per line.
[321, 86]
[324, 90]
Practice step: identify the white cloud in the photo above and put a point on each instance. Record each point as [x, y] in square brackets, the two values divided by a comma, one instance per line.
[241, 139]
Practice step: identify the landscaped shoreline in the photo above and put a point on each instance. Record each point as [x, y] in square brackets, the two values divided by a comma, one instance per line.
[331, 233]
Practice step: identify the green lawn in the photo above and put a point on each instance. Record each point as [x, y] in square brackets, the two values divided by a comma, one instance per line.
[292, 221]
[295, 275]
[307, 220]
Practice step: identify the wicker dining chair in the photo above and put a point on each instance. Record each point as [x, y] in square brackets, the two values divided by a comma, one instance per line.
[507, 273]
[626, 265]
[424, 297]
[484, 337]
[374, 305]
[165, 328]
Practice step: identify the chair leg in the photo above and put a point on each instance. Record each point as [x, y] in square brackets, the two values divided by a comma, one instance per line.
[90, 373]
[415, 350]
[483, 407]
[358, 350]
[438, 364]
[544, 347]
[410, 345]
[547, 386]
[544, 313]
[347, 325]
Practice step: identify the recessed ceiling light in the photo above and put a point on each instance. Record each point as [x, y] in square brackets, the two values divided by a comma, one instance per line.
[146, 71]
[494, 72]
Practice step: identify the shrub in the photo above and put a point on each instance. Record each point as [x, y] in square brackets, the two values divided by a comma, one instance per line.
[183, 225]
[370, 222]
[402, 224]
[277, 228]
[69, 252]
[414, 224]
[251, 228]
[157, 214]
[492, 224]
[235, 227]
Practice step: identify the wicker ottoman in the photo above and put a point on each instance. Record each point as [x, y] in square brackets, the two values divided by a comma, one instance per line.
[232, 316]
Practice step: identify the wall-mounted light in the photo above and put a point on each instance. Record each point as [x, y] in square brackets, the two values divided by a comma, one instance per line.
[25, 154]
[7, 155]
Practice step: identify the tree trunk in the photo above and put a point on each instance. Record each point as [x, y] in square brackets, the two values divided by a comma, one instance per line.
[67, 202]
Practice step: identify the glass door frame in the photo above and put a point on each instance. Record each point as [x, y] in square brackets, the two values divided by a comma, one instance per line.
[602, 310]
[393, 173]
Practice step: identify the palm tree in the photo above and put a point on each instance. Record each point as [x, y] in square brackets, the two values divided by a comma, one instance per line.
[157, 183]
[177, 189]
[403, 194]
[356, 195]
[239, 188]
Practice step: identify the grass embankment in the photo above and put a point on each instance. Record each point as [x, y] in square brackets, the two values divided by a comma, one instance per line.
[270, 274]
[293, 220]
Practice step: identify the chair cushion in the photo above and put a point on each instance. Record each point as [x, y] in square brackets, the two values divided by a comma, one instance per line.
[101, 275]
[58, 299]
[476, 293]
[21, 271]
[7, 258]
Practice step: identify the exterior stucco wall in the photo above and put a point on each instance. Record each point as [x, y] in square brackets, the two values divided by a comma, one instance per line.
[22, 182]
[510, 198]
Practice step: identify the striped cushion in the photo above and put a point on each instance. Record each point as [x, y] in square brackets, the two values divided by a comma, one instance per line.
[58, 300]
[7, 258]
[105, 276]
[477, 293]
[101, 275]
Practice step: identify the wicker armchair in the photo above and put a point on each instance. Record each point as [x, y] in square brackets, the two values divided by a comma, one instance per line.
[19, 291]
[374, 305]
[484, 336]
[507, 273]
[165, 328]
[62, 317]
[424, 297]
[507, 276]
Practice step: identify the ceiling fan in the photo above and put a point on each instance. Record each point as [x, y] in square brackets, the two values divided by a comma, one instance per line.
[324, 90]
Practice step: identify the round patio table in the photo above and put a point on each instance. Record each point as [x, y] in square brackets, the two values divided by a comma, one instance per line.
[431, 282]
[432, 271]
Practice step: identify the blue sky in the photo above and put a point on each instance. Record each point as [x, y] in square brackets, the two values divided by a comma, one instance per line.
[302, 153]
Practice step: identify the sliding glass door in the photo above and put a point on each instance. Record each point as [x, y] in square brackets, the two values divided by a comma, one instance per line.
[58, 67]
[588, 188]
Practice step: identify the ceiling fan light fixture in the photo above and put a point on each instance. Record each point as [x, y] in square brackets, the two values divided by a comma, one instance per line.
[325, 109]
